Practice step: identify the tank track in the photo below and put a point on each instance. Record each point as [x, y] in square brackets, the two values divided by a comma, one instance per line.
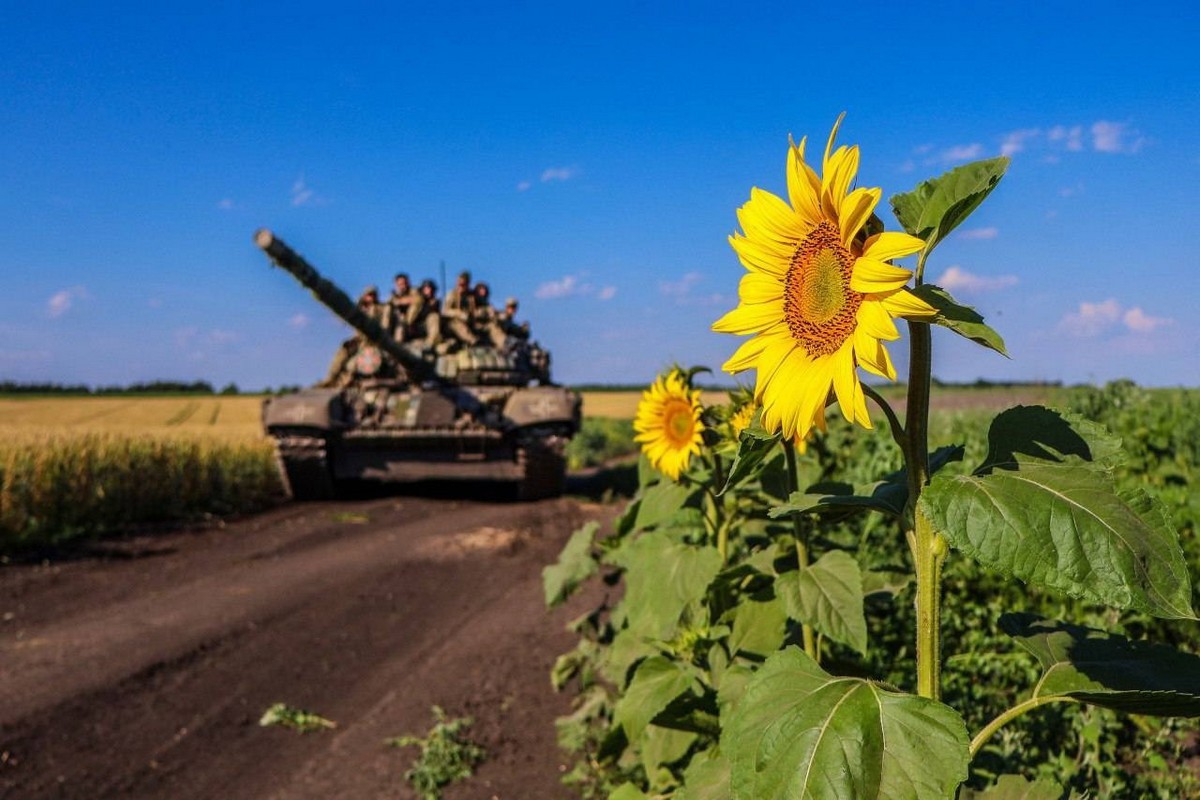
[304, 466]
[545, 466]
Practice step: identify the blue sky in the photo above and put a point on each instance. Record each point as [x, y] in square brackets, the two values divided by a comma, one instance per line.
[587, 159]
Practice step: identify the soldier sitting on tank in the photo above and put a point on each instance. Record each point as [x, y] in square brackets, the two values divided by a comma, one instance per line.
[406, 303]
[486, 319]
[341, 370]
[458, 309]
[427, 326]
[509, 324]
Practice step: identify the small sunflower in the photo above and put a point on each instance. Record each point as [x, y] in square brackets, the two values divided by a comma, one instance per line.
[742, 418]
[668, 424]
[819, 295]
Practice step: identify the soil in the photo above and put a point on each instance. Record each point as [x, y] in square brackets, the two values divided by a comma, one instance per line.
[141, 668]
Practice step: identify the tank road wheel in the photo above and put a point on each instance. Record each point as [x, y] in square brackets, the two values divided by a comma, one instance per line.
[545, 468]
[304, 467]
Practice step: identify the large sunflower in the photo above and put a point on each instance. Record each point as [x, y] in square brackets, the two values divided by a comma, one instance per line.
[668, 424]
[819, 295]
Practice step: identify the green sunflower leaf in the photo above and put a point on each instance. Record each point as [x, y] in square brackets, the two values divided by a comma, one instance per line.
[1108, 670]
[829, 596]
[755, 445]
[758, 627]
[1016, 787]
[661, 578]
[937, 206]
[800, 732]
[628, 791]
[1064, 526]
[963, 320]
[1023, 433]
[661, 501]
[575, 565]
[706, 778]
[656, 682]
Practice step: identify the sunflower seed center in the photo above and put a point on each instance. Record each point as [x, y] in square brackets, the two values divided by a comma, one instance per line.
[818, 303]
[678, 422]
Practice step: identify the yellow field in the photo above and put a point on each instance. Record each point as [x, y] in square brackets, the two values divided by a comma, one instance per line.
[623, 405]
[229, 418]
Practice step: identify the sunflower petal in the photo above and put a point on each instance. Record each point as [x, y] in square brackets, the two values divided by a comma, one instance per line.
[757, 258]
[829, 144]
[847, 387]
[871, 276]
[837, 178]
[855, 210]
[756, 287]
[872, 355]
[906, 304]
[891, 244]
[750, 318]
[804, 188]
[767, 216]
[874, 319]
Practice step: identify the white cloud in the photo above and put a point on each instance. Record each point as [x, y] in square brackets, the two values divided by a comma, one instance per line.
[558, 174]
[976, 234]
[575, 285]
[681, 288]
[1014, 142]
[955, 278]
[225, 204]
[523, 186]
[1115, 137]
[961, 152]
[302, 195]
[299, 321]
[1139, 321]
[61, 301]
[1070, 138]
[552, 290]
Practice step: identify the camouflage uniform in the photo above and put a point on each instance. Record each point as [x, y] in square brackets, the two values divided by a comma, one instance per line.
[406, 304]
[508, 321]
[428, 323]
[458, 310]
[486, 319]
[341, 370]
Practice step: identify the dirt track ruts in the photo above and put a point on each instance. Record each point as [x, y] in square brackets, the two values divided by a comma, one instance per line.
[142, 672]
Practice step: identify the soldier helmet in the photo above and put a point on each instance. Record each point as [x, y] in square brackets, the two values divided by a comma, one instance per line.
[464, 276]
[370, 291]
[428, 284]
[512, 301]
[404, 275]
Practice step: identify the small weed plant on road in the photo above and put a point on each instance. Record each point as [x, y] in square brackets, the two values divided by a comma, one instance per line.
[789, 579]
[295, 718]
[447, 755]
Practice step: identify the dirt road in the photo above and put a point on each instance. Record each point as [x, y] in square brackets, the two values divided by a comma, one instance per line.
[142, 672]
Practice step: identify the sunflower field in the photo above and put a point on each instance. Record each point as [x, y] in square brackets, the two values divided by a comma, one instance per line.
[894, 604]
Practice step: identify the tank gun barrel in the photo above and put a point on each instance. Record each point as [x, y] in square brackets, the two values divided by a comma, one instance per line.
[337, 301]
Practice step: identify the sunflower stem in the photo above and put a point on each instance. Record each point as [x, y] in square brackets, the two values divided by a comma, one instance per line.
[1020, 708]
[928, 546]
[801, 534]
[898, 433]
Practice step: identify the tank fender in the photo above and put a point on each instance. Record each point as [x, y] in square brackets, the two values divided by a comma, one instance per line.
[319, 409]
[543, 405]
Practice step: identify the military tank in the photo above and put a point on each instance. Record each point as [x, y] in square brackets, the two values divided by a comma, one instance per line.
[406, 415]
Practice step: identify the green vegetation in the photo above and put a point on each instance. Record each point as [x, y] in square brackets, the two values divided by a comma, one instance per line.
[55, 488]
[447, 756]
[297, 719]
[659, 674]
[599, 441]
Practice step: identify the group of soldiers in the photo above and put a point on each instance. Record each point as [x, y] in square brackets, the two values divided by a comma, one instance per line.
[414, 317]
